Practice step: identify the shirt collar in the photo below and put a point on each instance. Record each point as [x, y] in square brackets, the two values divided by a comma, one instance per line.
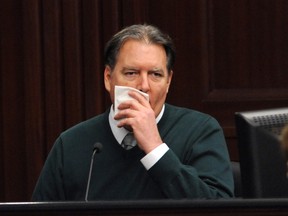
[120, 133]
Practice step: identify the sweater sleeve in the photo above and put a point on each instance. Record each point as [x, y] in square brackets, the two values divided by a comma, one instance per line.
[204, 171]
[50, 184]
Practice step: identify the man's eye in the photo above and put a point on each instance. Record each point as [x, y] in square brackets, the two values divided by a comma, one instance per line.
[156, 74]
[130, 73]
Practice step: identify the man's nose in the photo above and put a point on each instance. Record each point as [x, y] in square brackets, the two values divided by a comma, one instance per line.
[144, 83]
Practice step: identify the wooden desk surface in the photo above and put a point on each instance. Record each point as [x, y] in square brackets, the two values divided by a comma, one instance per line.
[233, 207]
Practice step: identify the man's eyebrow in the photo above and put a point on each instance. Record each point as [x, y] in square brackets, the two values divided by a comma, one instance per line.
[129, 68]
[156, 70]
[137, 69]
[125, 69]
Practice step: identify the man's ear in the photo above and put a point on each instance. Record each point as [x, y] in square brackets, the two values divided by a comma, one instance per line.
[169, 80]
[107, 78]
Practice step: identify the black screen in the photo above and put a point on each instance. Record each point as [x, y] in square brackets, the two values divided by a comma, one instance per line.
[262, 160]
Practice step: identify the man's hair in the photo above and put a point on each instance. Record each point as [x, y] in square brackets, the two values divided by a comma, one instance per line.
[147, 33]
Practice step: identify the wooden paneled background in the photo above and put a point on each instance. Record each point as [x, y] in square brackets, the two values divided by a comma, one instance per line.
[231, 56]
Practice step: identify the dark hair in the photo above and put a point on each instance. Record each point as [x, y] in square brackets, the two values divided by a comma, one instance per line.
[148, 33]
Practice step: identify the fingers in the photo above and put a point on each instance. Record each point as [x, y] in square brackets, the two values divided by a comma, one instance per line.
[133, 111]
[129, 117]
[136, 104]
[140, 98]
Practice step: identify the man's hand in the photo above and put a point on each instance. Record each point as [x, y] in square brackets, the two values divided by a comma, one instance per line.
[139, 116]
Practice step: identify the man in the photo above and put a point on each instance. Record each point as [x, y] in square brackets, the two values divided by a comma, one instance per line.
[180, 153]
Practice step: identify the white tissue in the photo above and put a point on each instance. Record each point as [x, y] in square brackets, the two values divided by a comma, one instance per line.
[121, 95]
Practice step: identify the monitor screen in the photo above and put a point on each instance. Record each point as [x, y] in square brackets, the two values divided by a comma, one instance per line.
[263, 161]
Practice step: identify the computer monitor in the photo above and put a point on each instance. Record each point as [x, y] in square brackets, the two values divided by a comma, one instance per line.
[263, 162]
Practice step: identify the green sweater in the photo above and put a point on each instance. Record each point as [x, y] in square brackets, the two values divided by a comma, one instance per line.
[196, 165]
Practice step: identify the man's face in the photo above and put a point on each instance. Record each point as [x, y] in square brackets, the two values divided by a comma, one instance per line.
[141, 66]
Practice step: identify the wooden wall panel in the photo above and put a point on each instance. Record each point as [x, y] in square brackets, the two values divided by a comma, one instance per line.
[249, 44]
[72, 61]
[186, 22]
[231, 56]
[13, 103]
[53, 94]
[33, 100]
[247, 59]
[50, 80]
[92, 57]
